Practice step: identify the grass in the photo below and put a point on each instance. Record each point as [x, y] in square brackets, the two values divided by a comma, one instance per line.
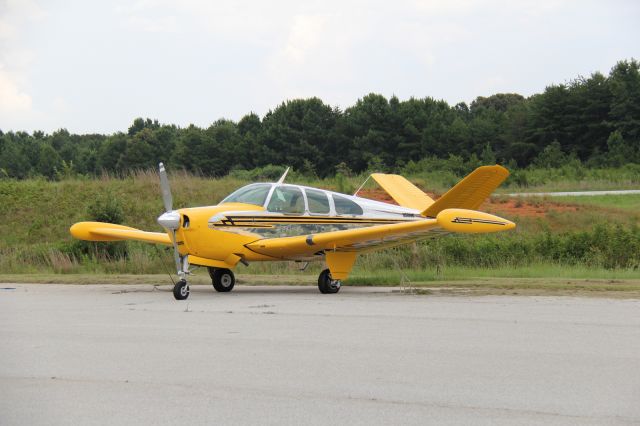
[573, 185]
[630, 202]
[361, 275]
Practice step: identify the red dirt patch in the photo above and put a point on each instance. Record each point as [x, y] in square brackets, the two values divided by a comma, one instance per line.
[505, 206]
[380, 195]
[377, 195]
[511, 207]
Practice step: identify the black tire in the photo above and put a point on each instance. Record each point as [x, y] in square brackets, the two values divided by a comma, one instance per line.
[222, 279]
[181, 290]
[211, 271]
[326, 284]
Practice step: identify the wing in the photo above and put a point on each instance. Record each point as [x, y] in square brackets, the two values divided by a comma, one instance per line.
[379, 236]
[100, 231]
[360, 239]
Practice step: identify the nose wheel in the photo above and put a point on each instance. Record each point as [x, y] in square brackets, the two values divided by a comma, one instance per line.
[181, 290]
[326, 284]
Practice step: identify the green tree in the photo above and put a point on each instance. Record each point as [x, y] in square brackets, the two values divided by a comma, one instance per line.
[551, 156]
[298, 130]
[109, 153]
[142, 151]
[487, 157]
[13, 162]
[500, 102]
[618, 152]
[49, 162]
[140, 124]
[624, 80]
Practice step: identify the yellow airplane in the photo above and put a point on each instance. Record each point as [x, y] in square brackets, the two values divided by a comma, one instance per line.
[284, 222]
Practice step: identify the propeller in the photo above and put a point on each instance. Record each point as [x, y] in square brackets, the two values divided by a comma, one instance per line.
[170, 219]
[167, 199]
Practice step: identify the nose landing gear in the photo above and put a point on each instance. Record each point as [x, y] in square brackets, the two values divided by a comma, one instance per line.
[181, 290]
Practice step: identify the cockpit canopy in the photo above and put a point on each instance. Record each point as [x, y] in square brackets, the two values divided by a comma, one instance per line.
[292, 199]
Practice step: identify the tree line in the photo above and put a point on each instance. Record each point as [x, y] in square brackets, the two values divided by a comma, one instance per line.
[594, 120]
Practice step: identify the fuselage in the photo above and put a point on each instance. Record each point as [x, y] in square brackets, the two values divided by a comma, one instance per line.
[267, 210]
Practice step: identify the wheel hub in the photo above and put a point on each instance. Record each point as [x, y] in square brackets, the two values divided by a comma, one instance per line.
[225, 280]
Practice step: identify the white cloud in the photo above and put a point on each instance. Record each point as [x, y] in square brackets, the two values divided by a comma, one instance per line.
[16, 104]
[360, 47]
[13, 101]
[439, 7]
[15, 13]
[314, 56]
[307, 32]
[60, 105]
[162, 24]
[151, 16]
[236, 20]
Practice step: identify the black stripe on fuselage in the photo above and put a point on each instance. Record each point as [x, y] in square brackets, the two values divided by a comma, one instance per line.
[257, 221]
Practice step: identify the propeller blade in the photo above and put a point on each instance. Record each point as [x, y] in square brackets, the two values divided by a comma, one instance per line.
[167, 199]
[170, 219]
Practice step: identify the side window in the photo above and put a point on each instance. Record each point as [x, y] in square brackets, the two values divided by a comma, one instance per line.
[286, 199]
[346, 206]
[318, 201]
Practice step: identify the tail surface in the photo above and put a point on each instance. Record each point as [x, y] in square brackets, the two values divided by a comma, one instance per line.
[402, 191]
[471, 191]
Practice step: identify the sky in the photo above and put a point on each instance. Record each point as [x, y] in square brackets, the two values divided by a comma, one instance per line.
[93, 66]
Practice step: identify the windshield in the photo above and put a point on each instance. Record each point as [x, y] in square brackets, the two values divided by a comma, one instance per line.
[255, 194]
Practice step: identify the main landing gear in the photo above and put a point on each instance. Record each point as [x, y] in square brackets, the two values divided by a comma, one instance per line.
[326, 284]
[222, 279]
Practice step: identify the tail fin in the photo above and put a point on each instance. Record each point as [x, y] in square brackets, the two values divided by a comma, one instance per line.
[404, 192]
[471, 191]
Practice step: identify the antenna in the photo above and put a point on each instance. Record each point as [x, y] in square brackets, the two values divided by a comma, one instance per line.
[361, 186]
[284, 175]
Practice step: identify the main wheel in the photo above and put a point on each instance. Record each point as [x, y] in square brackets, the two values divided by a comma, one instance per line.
[181, 290]
[222, 279]
[326, 284]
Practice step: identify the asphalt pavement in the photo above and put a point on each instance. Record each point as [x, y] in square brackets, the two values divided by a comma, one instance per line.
[107, 354]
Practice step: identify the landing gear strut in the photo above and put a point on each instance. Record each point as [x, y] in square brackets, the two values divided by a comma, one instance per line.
[326, 284]
[222, 279]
